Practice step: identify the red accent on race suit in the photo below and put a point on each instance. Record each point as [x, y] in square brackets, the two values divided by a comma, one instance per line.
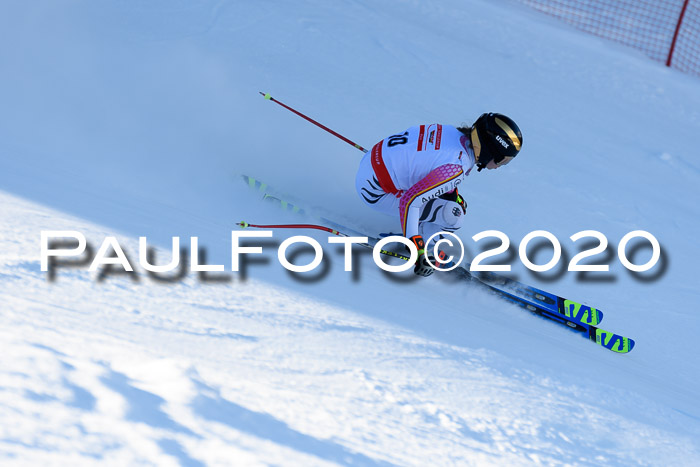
[438, 137]
[380, 170]
[420, 138]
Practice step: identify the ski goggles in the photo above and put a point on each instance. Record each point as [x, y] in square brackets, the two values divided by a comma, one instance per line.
[501, 160]
[498, 157]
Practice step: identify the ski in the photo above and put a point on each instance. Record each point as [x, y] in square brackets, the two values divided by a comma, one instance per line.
[563, 306]
[574, 315]
[609, 340]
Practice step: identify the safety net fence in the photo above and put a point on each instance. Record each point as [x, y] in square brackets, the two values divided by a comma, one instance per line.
[666, 30]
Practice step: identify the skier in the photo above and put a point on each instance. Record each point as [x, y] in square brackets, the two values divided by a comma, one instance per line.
[416, 175]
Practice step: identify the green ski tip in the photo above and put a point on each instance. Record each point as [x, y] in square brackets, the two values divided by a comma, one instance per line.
[582, 313]
[611, 341]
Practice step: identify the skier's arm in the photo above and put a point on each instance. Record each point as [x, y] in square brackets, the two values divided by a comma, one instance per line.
[439, 181]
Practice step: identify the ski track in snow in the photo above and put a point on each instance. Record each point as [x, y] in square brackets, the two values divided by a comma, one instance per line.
[127, 120]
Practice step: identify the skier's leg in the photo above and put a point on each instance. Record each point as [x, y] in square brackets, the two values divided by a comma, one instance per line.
[440, 215]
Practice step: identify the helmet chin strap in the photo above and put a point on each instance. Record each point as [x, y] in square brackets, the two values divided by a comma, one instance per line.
[480, 165]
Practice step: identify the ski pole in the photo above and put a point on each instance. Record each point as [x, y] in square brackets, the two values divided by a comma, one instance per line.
[270, 98]
[244, 225]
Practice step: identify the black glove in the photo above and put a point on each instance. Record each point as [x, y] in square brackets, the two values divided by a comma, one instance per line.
[423, 268]
[457, 198]
[462, 202]
[424, 262]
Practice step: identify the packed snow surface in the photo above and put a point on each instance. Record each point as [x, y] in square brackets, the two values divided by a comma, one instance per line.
[132, 119]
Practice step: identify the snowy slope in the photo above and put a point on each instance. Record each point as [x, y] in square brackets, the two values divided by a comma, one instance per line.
[135, 119]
